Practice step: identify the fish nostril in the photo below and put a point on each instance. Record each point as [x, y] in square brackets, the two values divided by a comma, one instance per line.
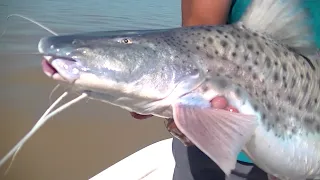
[77, 42]
[83, 50]
[74, 42]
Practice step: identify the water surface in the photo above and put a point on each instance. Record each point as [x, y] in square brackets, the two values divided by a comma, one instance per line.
[90, 136]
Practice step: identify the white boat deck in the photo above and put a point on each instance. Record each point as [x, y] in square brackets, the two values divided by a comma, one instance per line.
[154, 162]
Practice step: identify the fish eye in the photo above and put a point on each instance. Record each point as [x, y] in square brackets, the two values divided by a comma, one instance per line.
[126, 41]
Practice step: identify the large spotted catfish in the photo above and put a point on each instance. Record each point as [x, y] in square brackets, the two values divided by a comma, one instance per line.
[266, 65]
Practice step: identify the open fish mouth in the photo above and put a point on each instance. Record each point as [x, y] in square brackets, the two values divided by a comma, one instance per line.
[61, 68]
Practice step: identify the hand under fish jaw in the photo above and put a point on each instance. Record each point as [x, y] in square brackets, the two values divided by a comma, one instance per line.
[218, 102]
[175, 132]
[171, 127]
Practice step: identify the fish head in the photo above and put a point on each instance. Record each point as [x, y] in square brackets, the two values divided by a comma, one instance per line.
[121, 66]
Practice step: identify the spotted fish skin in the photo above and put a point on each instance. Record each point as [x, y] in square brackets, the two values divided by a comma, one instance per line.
[281, 80]
[261, 76]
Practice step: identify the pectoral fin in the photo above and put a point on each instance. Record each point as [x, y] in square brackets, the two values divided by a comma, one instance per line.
[220, 134]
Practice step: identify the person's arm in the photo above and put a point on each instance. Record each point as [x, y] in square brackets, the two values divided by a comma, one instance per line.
[204, 12]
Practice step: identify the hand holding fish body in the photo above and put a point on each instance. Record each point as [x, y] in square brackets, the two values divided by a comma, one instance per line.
[266, 65]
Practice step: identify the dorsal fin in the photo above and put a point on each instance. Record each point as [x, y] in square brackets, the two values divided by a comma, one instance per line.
[285, 20]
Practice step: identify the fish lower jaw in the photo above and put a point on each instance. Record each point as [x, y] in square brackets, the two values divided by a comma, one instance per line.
[51, 72]
[138, 105]
[60, 69]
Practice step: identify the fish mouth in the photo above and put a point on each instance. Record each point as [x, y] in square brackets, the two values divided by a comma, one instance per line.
[61, 68]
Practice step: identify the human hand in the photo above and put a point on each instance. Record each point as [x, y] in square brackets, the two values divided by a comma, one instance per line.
[218, 102]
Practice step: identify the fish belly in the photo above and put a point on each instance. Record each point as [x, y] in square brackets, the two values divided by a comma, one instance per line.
[297, 158]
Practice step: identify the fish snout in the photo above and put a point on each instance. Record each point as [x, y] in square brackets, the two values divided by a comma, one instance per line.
[57, 45]
[60, 61]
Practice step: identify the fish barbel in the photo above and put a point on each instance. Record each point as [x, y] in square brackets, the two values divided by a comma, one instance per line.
[266, 65]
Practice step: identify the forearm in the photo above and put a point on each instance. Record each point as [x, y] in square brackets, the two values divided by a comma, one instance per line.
[204, 12]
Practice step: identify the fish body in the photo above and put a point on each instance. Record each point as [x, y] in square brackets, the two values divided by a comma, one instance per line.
[265, 66]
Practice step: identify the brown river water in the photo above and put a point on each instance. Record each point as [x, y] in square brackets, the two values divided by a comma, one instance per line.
[89, 136]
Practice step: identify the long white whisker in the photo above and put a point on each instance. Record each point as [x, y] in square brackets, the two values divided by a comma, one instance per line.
[64, 106]
[53, 90]
[31, 20]
[22, 53]
[46, 116]
[68, 87]
[13, 158]
[41, 121]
